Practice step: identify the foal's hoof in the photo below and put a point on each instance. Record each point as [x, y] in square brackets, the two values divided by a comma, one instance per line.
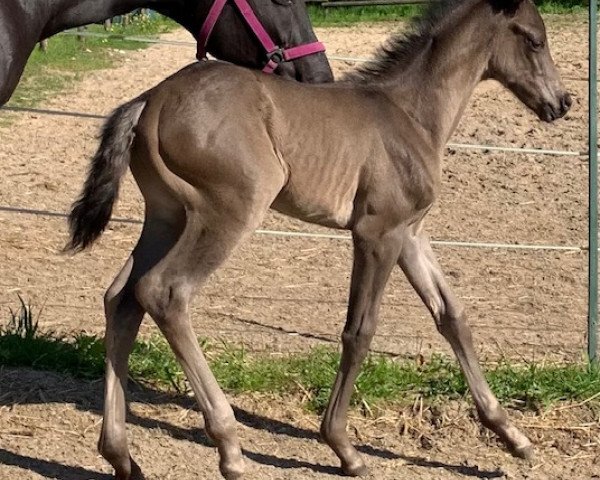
[525, 451]
[355, 469]
[136, 473]
[232, 472]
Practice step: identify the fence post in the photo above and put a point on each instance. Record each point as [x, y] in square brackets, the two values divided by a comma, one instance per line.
[81, 38]
[593, 187]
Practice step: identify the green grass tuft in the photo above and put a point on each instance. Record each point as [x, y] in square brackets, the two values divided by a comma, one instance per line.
[21, 321]
[343, 16]
[309, 375]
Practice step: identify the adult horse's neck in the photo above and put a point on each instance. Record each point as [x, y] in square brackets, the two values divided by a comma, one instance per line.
[434, 89]
[62, 14]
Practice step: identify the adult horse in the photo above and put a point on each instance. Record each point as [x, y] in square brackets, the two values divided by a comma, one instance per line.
[23, 23]
[209, 174]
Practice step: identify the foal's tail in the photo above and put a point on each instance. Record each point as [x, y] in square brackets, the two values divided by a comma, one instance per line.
[92, 210]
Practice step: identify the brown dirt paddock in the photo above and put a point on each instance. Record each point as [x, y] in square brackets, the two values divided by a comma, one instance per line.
[286, 294]
[49, 427]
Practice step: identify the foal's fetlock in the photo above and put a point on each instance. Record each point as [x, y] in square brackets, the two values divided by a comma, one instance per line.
[221, 428]
[351, 462]
[221, 431]
[117, 456]
[114, 450]
[516, 442]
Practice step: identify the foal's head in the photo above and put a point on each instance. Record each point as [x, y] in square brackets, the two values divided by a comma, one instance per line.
[521, 60]
[287, 23]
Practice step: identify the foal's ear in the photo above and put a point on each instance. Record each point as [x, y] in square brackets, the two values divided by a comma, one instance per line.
[508, 7]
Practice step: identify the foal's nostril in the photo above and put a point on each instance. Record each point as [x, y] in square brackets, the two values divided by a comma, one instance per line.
[565, 103]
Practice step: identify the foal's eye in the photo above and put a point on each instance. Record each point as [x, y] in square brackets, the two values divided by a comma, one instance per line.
[535, 44]
[285, 3]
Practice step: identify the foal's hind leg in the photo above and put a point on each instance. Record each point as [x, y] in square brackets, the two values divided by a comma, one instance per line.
[375, 254]
[123, 317]
[210, 235]
[424, 273]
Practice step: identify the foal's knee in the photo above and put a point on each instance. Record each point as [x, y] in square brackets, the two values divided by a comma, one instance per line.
[357, 343]
[450, 318]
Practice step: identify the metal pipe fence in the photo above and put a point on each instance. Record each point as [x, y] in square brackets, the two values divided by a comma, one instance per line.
[593, 186]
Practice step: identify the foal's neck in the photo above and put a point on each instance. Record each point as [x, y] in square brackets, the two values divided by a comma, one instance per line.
[436, 89]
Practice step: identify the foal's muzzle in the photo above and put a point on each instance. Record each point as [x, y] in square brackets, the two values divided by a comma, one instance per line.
[551, 111]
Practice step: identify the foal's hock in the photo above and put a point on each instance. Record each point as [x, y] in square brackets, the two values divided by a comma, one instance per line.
[215, 146]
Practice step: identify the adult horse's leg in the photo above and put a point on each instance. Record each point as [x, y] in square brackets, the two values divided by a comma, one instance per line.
[13, 59]
[18, 37]
[424, 273]
[216, 221]
[375, 254]
[123, 317]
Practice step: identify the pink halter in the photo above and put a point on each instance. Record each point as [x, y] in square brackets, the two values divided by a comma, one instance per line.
[275, 54]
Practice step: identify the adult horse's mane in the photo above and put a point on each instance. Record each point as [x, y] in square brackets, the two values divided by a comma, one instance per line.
[399, 52]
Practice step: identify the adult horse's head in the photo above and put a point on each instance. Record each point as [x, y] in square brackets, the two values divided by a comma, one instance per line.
[285, 24]
[521, 60]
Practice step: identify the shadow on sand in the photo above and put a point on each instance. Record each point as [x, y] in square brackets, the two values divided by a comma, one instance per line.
[87, 396]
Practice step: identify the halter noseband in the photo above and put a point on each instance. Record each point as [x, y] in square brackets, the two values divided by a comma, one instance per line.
[275, 54]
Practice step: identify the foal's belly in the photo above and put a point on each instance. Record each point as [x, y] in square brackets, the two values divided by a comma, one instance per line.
[317, 200]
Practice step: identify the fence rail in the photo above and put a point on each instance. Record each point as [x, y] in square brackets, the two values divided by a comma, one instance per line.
[328, 236]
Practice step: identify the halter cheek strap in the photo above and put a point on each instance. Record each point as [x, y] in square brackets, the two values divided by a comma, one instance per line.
[275, 54]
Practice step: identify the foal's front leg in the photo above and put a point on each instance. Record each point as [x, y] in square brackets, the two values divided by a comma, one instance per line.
[375, 254]
[424, 273]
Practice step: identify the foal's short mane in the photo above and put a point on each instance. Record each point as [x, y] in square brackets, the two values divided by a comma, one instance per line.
[402, 48]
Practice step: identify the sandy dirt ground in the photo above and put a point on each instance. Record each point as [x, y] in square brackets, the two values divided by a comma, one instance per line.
[49, 428]
[288, 294]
